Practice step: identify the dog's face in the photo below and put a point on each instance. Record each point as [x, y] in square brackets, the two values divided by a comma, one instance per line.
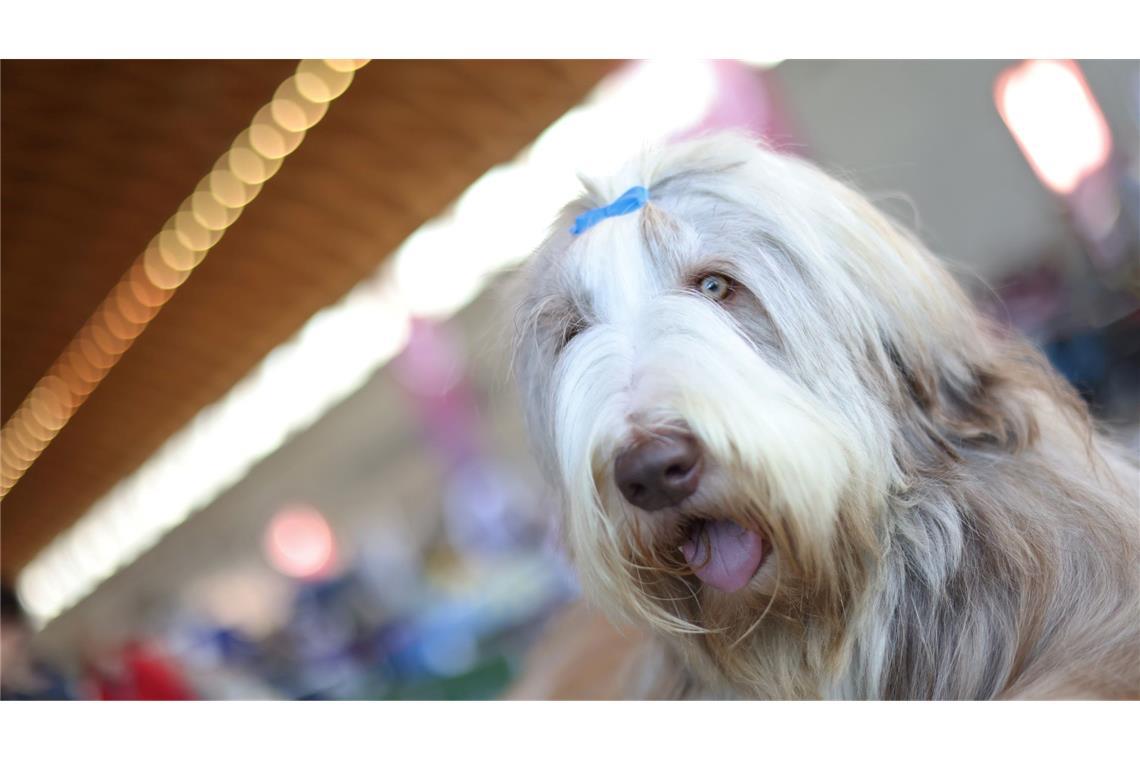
[710, 381]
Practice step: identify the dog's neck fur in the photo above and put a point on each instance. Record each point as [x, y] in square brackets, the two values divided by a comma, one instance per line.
[1014, 595]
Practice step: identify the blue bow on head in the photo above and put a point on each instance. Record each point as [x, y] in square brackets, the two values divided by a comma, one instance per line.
[630, 201]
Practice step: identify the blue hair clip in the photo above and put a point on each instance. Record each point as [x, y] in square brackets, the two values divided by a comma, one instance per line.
[630, 201]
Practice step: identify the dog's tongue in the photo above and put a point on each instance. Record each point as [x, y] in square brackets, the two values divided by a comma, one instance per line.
[723, 554]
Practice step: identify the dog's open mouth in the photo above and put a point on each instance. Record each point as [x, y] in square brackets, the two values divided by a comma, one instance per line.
[723, 554]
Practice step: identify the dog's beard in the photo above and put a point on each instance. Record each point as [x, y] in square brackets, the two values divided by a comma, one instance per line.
[785, 469]
[796, 606]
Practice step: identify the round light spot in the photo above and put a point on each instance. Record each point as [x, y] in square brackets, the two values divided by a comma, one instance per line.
[175, 253]
[292, 111]
[107, 343]
[267, 140]
[160, 274]
[270, 140]
[143, 289]
[319, 83]
[345, 64]
[17, 452]
[299, 542]
[228, 188]
[129, 305]
[75, 372]
[210, 212]
[248, 166]
[116, 323]
[289, 115]
[192, 234]
[49, 409]
[95, 356]
[23, 434]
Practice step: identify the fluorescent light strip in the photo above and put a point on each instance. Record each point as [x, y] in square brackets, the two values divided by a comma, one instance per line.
[196, 227]
[439, 269]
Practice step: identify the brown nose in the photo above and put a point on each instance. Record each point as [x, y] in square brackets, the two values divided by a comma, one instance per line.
[659, 471]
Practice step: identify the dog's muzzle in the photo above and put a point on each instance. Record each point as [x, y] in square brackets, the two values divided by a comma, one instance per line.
[659, 470]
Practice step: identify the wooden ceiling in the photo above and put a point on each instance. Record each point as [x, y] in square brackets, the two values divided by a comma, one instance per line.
[97, 155]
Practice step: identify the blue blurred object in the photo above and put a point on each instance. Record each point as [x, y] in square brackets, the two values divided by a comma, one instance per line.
[1082, 358]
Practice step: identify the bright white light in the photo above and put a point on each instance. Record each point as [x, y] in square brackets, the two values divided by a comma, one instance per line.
[330, 358]
[504, 215]
[442, 267]
[1053, 116]
[762, 63]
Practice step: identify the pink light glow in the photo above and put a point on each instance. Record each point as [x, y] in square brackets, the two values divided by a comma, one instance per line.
[300, 543]
[1053, 116]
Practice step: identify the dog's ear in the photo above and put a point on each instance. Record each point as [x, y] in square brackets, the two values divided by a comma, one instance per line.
[986, 397]
[956, 379]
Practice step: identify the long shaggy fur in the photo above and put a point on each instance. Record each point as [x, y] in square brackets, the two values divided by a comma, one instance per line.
[944, 520]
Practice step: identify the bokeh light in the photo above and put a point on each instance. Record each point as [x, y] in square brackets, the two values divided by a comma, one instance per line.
[1055, 120]
[300, 543]
[268, 139]
[292, 111]
[216, 203]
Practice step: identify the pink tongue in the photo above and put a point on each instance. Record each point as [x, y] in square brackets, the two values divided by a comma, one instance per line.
[736, 554]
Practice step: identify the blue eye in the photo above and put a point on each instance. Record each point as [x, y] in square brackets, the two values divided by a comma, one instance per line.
[715, 286]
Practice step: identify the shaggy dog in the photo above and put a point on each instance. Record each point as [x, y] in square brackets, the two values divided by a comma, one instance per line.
[791, 452]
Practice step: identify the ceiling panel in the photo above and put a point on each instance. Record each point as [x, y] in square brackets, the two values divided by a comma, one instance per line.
[96, 157]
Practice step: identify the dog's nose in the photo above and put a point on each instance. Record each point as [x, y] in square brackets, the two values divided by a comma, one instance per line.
[659, 471]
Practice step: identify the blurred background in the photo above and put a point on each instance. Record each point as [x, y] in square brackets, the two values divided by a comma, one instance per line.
[260, 439]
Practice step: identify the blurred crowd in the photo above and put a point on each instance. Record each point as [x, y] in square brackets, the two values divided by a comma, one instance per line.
[366, 617]
[458, 628]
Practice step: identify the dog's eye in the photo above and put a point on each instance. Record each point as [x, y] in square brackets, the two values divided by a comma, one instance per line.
[715, 286]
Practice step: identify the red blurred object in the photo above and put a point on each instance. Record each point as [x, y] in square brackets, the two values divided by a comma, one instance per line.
[143, 673]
